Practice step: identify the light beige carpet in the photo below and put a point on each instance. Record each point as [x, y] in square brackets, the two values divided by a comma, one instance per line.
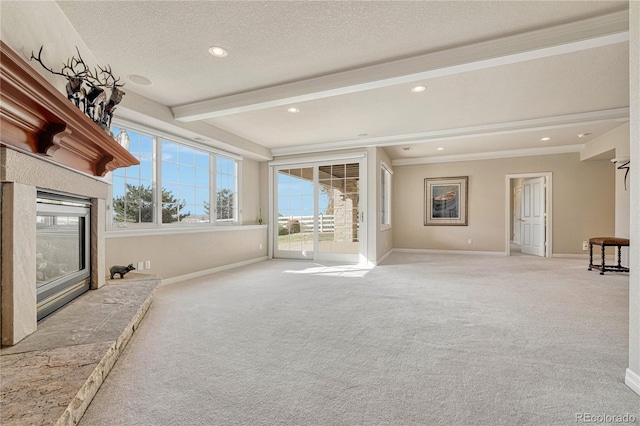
[420, 339]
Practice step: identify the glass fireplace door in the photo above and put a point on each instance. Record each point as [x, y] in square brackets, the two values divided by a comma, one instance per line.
[62, 252]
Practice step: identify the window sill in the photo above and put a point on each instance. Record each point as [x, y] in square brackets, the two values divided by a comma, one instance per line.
[385, 227]
[168, 230]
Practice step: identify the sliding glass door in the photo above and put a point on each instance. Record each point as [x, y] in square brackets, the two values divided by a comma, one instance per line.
[295, 213]
[318, 211]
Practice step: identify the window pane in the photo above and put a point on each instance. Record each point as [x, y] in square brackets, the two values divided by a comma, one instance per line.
[185, 187]
[186, 156]
[226, 182]
[202, 160]
[169, 151]
[132, 186]
[134, 145]
[146, 166]
[187, 175]
[202, 178]
[146, 146]
[169, 172]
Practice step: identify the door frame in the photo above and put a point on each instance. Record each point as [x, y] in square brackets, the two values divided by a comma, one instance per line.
[312, 161]
[548, 209]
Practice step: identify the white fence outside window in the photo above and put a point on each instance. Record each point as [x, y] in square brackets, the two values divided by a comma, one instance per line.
[326, 222]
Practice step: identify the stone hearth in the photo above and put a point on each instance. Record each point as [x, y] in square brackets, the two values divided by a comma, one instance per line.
[52, 375]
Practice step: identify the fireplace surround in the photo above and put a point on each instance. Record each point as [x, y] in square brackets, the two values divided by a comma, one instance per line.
[46, 145]
[22, 176]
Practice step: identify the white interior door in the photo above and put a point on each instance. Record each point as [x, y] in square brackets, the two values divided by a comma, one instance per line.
[319, 211]
[533, 217]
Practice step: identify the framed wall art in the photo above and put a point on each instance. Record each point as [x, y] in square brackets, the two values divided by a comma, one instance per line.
[445, 201]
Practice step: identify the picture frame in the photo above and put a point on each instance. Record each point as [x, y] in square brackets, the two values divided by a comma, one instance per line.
[446, 201]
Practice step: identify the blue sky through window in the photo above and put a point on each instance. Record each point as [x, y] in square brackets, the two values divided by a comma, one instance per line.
[185, 173]
[295, 196]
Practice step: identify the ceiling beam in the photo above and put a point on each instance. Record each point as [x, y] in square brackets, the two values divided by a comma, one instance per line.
[494, 129]
[571, 37]
[512, 153]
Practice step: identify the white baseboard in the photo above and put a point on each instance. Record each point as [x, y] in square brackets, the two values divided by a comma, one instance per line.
[597, 258]
[198, 274]
[383, 257]
[633, 381]
[572, 256]
[430, 251]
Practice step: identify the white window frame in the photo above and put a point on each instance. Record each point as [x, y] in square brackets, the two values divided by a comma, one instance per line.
[386, 174]
[157, 137]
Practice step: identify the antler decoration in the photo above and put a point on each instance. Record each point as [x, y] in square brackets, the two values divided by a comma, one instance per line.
[109, 76]
[93, 103]
[39, 59]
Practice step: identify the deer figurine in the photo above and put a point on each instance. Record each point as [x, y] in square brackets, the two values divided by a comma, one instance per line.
[75, 92]
[93, 103]
[96, 99]
[114, 99]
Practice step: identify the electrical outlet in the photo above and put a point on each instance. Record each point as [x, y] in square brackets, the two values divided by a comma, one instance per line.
[469, 241]
[147, 264]
[260, 246]
[140, 266]
[585, 246]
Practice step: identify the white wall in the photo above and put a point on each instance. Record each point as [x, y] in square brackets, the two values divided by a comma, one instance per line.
[384, 238]
[180, 254]
[615, 144]
[583, 203]
[25, 26]
[633, 372]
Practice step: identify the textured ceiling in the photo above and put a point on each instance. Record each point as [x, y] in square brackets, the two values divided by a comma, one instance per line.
[271, 43]
[533, 89]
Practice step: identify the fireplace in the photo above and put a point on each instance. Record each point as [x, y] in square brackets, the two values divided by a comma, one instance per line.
[62, 250]
[52, 198]
[53, 223]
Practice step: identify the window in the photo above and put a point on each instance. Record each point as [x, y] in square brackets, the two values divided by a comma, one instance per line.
[185, 184]
[174, 183]
[226, 190]
[133, 185]
[385, 197]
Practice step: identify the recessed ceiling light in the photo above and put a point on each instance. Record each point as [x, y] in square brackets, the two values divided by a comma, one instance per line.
[218, 52]
[546, 139]
[418, 89]
[440, 149]
[138, 79]
[293, 110]
[584, 135]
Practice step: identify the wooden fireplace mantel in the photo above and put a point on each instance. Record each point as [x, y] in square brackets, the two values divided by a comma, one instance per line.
[36, 118]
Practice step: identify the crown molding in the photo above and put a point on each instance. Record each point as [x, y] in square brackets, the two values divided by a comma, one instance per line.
[571, 37]
[528, 152]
